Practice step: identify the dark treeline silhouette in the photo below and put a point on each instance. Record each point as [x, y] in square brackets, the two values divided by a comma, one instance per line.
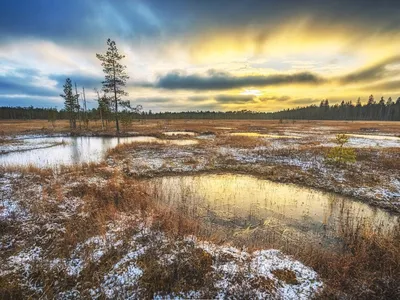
[383, 110]
[35, 113]
[26, 113]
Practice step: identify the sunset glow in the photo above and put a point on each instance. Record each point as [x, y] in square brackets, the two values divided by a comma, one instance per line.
[204, 55]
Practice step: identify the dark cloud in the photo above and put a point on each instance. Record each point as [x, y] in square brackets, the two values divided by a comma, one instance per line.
[211, 15]
[142, 100]
[305, 101]
[234, 99]
[76, 21]
[275, 98]
[224, 81]
[374, 72]
[87, 21]
[199, 98]
[193, 107]
[88, 81]
[393, 85]
[22, 82]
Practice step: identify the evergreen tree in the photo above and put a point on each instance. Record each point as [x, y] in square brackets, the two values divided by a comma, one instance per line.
[358, 108]
[340, 154]
[103, 107]
[70, 103]
[115, 77]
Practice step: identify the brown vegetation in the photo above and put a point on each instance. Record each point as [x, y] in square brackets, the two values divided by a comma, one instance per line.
[367, 266]
[9, 127]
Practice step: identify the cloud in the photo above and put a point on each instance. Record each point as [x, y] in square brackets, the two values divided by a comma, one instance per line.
[199, 98]
[305, 101]
[275, 98]
[141, 100]
[268, 38]
[376, 71]
[224, 81]
[393, 85]
[85, 22]
[26, 82]
[81, 79]
[234, 99]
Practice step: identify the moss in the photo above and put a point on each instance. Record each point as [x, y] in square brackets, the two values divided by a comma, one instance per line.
[285, 275]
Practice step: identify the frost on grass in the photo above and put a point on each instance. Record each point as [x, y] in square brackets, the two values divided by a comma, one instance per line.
[147, 264]
[256, 275]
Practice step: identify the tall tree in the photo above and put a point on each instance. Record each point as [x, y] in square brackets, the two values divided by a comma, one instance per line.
[70, 101]
[115, 77]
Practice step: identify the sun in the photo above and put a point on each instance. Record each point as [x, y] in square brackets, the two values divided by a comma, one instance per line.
[251, 92]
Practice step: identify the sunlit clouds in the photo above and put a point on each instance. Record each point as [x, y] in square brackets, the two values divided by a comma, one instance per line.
[187, 55]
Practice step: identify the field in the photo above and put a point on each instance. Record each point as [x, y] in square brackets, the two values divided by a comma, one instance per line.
[143, 126]
[108, 228]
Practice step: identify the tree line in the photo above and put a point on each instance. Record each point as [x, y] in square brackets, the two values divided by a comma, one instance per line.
[383, 110]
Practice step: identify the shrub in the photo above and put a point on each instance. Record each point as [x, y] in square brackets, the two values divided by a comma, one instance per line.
[340, 155]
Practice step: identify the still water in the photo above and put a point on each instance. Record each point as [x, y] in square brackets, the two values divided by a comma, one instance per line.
[256, 134]
[74, 150]
[375, 137]
[243, 201]
[172, 133]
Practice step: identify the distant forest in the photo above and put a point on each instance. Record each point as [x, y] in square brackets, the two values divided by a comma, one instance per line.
[383, 110]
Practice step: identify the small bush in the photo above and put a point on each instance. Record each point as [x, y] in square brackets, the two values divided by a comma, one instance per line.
[341, 155]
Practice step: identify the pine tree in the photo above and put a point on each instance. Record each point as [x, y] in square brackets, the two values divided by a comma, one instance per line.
[103, 107]
[340, 154]
[115, 77]
[70, 101]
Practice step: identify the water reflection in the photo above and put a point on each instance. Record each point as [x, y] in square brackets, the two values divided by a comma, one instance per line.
[248, 202]
[172, 133]
[75, 150]
[375, 137]
[256, 134]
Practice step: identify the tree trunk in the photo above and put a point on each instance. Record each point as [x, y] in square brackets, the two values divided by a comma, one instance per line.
[116, 101]
[116, 110]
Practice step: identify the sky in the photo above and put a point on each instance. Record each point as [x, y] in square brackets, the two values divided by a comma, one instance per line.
[223, 55]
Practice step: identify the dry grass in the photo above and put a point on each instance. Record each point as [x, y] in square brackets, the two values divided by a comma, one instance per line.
[9, 127]
[386, 159]
[240, 142]
[27, 170]
[367, 267]
[285, 275]
[190, 270]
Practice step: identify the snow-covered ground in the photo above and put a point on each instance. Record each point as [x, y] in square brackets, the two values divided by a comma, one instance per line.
[129, 238]
[38, 223]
